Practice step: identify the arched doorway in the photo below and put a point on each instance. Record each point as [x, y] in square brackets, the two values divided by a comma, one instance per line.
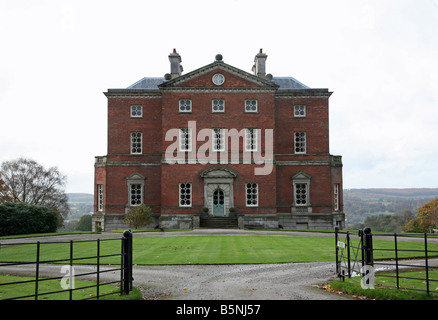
[218, 203]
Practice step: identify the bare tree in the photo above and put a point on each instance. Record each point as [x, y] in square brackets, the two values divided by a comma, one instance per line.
[27, 181]
[4, 197]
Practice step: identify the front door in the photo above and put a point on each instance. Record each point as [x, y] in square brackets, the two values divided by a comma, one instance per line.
[218, 203]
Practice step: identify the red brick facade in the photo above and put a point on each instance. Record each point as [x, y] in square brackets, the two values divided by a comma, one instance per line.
[300, 185]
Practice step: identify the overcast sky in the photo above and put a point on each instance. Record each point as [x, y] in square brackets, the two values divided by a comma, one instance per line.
[380, 58]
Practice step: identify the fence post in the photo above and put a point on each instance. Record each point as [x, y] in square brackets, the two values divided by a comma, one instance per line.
[426, 258]
[368, 247]
[337, 249]
[127, 262]
[37, 271]
[396, 260]
[348, 254]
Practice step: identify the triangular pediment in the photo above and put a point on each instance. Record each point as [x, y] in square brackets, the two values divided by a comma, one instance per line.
[231, 77]
[301, 176]
[135, 176]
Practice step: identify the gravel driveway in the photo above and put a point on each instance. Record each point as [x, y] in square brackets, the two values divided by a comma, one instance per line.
[287, 281]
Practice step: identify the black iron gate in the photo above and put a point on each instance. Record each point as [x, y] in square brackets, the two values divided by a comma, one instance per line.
[125, 267]
[355, 258]
[354, 252]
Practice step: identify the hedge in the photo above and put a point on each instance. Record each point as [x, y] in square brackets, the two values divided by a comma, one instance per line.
[23, 218]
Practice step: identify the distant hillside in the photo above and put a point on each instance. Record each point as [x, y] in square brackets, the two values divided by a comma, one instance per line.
[80, 197]
[362, 203]
[80, 204]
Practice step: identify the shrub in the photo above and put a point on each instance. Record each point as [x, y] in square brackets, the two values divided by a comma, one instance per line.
[138, 216]
[23, 218]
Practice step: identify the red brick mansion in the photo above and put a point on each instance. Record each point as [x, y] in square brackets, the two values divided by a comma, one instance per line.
[219, 143]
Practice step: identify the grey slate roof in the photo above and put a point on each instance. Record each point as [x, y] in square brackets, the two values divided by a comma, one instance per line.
[288, 83]
[147, 83]
[152, 83]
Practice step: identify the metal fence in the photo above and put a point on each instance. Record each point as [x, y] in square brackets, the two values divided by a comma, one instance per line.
[70, 260]
[355, 257]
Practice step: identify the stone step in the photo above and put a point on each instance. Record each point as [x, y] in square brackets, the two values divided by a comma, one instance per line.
[218, 222]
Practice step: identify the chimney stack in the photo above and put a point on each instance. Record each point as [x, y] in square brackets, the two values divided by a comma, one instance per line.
[259, 67]
[175, 64]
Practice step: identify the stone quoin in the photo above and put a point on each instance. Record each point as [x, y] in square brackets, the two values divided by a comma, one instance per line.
[219, 143]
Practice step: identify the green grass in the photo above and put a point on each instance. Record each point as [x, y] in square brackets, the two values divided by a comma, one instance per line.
[24, 289]
[386, 287]
[204, 250]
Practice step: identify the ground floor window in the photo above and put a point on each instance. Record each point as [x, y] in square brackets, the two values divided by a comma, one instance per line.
[185, 194]
[136, 191]
[336, 197]
[301, 194]
[252, 195]
[100, 197]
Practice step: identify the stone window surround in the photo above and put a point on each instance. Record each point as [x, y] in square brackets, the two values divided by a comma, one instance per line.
[301, 178]
[219, 177]
[135, 178]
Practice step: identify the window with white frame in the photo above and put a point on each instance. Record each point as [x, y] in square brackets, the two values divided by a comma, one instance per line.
[100, 197]
[136, 111]
[336, 197]
[185, 105]
[218, 139]
[185, 194]
[252, 195]
[218, 106]
[136, 142]
[251, 139]
[301, 194]
[185, 139]
[136, 194]
[251, 105]
[300, 142]
[299, 111]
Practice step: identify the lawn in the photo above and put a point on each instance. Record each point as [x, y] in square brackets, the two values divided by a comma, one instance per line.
[83, 290]
[202, 250]
[386, 287]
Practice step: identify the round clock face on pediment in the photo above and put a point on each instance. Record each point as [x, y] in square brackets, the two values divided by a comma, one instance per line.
[218, 79]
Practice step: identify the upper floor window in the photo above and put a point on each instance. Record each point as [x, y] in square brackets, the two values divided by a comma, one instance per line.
[218, 139]
[300, 142]
[251, 106]
[300, 111]
[136, 142]
[185, 105]
[218, 105]
[250, 139]
[136, 111]
[185, 139]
